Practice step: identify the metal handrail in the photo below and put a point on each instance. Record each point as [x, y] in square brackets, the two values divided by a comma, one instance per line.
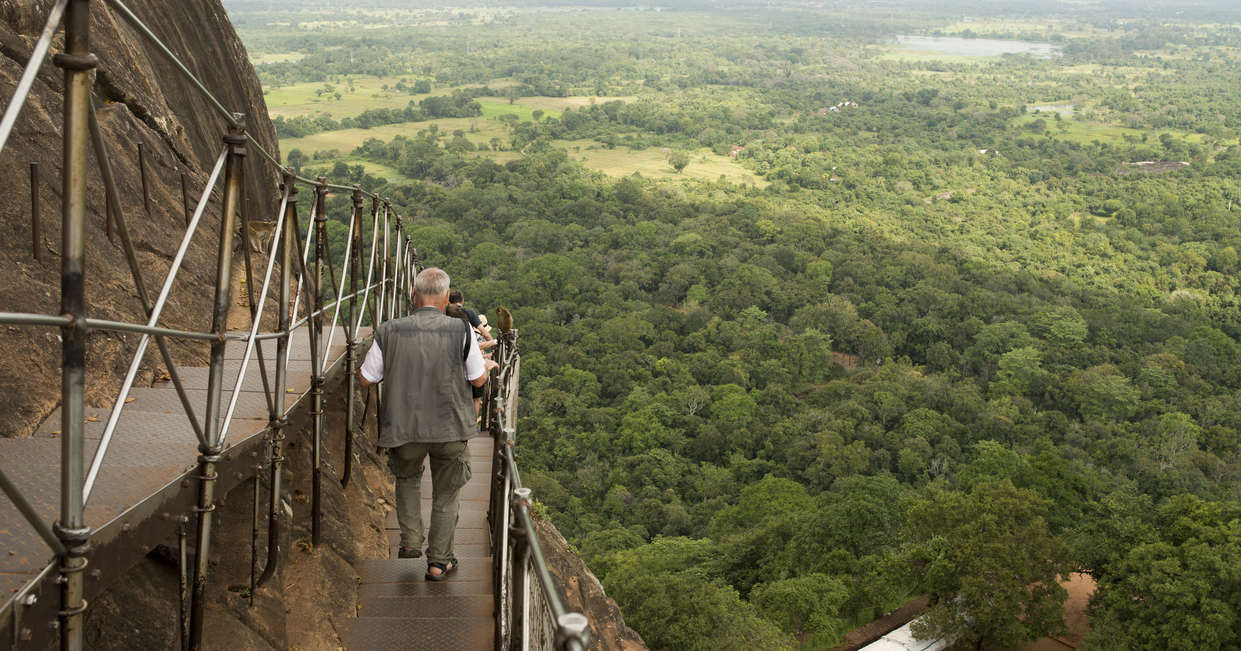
[517, 549]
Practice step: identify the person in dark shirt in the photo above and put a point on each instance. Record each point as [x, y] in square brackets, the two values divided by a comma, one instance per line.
[458, 312]
[456, 298]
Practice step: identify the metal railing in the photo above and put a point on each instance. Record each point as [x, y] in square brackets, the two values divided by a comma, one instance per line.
[389, 274]
[530, 610]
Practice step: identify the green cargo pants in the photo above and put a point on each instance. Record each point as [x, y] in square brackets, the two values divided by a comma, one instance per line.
[450, 470]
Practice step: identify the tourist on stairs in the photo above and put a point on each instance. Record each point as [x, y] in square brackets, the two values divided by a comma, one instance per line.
[427, 411]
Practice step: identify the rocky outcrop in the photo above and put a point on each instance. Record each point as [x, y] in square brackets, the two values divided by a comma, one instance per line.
[141, 100]
[583, 593]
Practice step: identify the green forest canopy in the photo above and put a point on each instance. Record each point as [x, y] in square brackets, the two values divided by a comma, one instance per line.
[994, 292]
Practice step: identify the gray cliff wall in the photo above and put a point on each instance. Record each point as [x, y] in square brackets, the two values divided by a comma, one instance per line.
[140, 100]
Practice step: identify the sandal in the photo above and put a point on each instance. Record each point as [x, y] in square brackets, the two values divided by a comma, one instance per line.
[444, 568]
[409, 552]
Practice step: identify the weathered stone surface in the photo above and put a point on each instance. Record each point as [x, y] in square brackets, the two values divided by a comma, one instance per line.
[140, 100]
[584, 593]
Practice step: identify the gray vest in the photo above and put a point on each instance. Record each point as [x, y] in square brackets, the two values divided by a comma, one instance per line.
[425, 395]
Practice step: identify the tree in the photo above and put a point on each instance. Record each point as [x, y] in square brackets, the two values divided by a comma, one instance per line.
[989, 564]
[678, 160]
[295, 159]
[807, 605]
[668, 597]
[1177, 587]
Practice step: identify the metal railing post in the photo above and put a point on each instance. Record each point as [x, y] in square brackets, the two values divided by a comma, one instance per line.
[288, 247]
[183, 583]
[351, 342]
[209, 449]
[572, 632]
[316, 364]
[255, 507]
[520, 624]
[77, 61]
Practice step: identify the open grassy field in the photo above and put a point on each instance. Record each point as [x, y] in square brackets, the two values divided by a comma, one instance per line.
[1087, 132]
[652, 163]
[344, 140]
[618, 162]
[494, 107]
[259, 58]
[368, 93]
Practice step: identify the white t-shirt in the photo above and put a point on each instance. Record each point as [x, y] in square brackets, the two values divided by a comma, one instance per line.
[373, 365]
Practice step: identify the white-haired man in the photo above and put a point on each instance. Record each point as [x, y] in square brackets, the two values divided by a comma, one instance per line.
[427, 362]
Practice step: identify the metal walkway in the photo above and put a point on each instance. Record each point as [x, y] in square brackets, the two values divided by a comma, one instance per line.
[399, 609]
[153, 452]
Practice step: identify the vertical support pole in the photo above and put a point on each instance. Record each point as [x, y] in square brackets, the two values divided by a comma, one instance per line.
[254, 533]
[288, 247]
[209, 448]
[142, 172]
[396, 309]
[77, 62]
[183, 584]
[351, 343]
[36, 234]
[384, 312]
[572, 632]
[316, 364]
[521, 574]
[185, 201]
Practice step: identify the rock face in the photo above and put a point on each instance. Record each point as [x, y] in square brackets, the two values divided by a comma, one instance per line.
[140, 100]
[583, 593]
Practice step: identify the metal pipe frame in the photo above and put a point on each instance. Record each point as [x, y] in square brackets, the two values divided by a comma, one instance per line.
[77, 62]
[153, 312]
[256, 318]
[210, 449]
[316, 368]
[69, 537]
[353, 260]
[354, 220]
[278, 422]
[256, 308]
[183, 583]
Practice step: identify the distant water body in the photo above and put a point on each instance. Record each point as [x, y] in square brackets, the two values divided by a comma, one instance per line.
[977, 47]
